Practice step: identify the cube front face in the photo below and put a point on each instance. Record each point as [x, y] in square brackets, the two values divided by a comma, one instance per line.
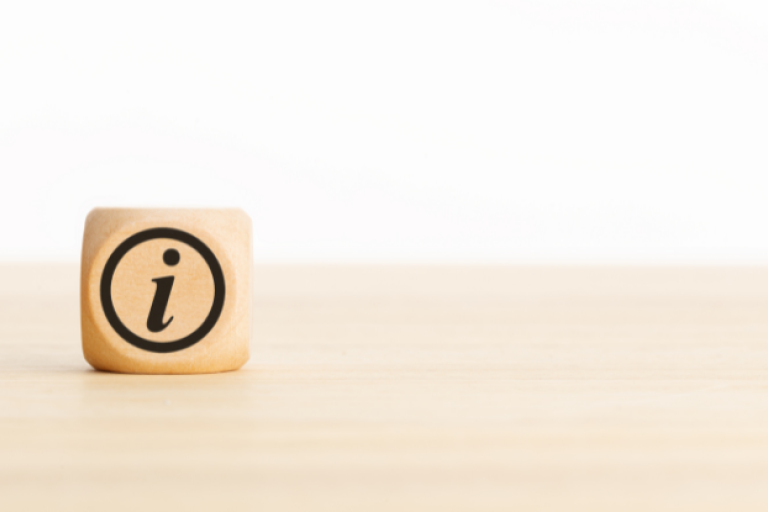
[166, 291]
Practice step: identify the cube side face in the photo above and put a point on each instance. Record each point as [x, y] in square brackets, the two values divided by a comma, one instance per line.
[166, 291]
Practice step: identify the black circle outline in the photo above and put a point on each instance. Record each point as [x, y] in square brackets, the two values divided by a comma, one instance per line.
[109, 272]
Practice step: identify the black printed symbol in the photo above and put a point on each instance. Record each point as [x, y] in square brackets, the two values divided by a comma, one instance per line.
[162, 295]
[163, 289]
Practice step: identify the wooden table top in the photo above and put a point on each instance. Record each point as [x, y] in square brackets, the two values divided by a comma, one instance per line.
[407, 389]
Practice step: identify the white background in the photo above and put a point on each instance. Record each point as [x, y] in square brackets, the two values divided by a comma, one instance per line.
[478, 131]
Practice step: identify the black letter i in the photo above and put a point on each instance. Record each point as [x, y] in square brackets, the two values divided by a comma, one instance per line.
[162, 294]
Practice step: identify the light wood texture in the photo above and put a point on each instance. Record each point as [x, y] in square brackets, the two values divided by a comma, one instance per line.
[434, 389]
[166, 291]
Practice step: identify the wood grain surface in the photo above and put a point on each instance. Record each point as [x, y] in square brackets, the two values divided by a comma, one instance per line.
[431, 388]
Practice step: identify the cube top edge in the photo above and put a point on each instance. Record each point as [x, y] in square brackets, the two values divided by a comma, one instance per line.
[100, 211]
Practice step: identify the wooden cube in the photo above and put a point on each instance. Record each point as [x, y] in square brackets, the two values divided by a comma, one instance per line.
[166, 290]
